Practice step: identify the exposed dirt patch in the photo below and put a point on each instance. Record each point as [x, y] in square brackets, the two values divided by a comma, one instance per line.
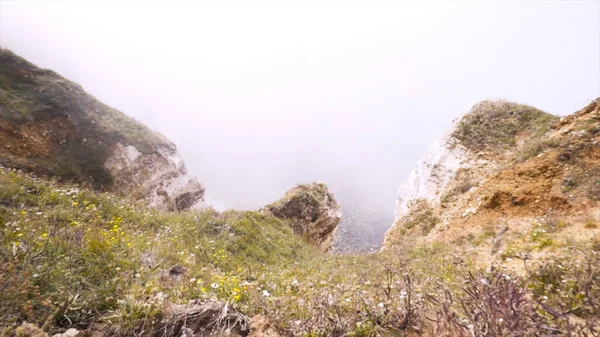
[525, 189]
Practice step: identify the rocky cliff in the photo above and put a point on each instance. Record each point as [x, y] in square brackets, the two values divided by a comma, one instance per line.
[50, 125]
[506, 181]
[312, 211]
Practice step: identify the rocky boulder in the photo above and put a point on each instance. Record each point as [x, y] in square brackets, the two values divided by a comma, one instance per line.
[159, 177]
[312, 212]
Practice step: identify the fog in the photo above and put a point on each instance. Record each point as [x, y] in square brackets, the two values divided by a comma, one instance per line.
[259, 96]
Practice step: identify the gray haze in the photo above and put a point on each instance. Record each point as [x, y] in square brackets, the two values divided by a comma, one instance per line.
[259, 96]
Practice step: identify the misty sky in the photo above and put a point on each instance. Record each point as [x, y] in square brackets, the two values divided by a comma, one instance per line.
[259, 96]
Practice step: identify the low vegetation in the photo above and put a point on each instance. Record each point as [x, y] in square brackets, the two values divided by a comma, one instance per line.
[422, 217]
[534, 147]
[463, 183]
[495, 125]
[74, 258]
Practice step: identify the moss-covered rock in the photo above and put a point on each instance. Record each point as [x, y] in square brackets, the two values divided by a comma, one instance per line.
[312, 212]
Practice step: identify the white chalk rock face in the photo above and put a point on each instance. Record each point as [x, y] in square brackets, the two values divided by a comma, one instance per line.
[159, 177]
[432, 175]
[429, 180]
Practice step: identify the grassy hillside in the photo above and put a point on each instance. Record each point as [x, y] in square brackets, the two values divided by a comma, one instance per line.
[70, 257]
[51, 125]
[495, 125]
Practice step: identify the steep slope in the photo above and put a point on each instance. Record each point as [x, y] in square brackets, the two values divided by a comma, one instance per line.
[509, 184]
[51, 125]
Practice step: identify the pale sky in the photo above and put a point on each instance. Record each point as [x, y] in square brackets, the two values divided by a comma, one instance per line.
[259, 96]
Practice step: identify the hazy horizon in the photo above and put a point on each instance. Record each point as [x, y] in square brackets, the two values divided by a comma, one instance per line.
[260, 96]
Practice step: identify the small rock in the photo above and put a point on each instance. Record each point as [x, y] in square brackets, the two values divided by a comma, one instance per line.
[69, 333]
[469, 211]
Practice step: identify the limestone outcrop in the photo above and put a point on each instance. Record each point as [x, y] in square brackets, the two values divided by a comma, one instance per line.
[312, 212]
